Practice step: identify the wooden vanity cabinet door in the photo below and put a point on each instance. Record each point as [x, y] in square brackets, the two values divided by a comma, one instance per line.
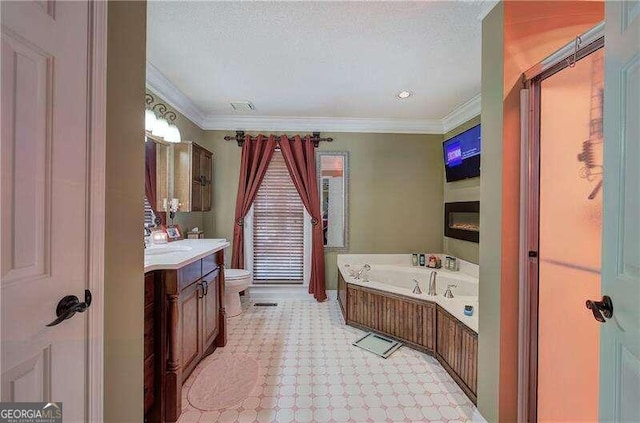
[201, 165]
[149, 342]
[190, 327]
[192, 174]
[206, 169]
[196, 196]
[211, 309]
[196, 180]
[196, 154]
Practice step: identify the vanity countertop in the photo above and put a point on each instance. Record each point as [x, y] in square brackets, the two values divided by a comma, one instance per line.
[177, 254]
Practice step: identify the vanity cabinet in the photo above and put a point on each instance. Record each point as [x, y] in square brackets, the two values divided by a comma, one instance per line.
[457, 351]
[193, 174]
[184, 322]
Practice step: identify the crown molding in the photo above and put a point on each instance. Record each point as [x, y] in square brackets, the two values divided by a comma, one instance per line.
[324, 124]
[461, 114]
[159, 84]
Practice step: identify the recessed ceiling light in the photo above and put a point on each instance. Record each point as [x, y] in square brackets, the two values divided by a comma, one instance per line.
[404, 94]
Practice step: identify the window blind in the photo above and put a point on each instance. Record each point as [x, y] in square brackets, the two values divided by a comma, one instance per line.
[278, 227]
[149, 215]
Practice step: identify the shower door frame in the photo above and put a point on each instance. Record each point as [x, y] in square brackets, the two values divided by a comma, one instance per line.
[566, 57]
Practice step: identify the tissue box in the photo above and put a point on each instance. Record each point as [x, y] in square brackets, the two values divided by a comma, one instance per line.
[195, 235]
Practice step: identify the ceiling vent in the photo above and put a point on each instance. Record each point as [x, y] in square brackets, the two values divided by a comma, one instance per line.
[244, 106]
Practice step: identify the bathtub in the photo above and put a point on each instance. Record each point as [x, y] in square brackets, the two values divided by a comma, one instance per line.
[395, 274]
[384, 302]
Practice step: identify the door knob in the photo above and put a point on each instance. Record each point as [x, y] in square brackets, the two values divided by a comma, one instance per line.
[601, 309]
[70, 305]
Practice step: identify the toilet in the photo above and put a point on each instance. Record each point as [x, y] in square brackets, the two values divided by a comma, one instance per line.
[235, 281]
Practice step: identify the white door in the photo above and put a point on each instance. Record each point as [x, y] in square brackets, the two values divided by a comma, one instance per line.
[620, 335]
[45, 218]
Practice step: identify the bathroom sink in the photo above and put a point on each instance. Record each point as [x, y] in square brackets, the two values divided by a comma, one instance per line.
[158, 250]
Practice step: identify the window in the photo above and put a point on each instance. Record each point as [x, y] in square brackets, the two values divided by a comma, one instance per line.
[149, 215]
[278, 226]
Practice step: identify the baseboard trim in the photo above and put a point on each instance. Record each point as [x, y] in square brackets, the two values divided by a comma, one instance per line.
[282, 292]
[477, 417]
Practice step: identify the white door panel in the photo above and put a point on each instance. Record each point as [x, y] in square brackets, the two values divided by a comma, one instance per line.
[620, 336]
[44, 214]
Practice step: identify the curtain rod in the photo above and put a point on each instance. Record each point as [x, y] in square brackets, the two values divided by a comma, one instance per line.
[240, 137]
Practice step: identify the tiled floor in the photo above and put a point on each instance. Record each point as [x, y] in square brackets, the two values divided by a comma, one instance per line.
[310, 372]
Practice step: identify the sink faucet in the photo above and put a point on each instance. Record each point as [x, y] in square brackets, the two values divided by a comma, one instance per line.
[432, 283]
[448, 293]
[147, 234]
[362, 269]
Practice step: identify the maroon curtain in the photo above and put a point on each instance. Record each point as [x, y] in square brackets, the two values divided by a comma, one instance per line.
[256, 156]
[299, 155]
[150, 180]
[150, 173]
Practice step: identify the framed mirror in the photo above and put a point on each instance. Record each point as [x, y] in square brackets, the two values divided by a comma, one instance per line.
[333, 183]
[158, 175]
[163, 174]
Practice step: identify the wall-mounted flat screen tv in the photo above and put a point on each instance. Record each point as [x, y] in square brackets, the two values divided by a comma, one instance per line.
[462, 155]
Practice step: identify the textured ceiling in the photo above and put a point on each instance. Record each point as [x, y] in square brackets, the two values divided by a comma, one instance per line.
[320, 59]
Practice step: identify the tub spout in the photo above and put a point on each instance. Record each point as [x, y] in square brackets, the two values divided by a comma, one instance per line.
[432, 283]
[416, 289]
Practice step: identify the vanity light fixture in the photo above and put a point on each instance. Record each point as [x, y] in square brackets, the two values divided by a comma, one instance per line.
[404, 94]
[159, 121]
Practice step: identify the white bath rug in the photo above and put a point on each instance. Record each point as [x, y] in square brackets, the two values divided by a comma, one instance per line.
[225, 382]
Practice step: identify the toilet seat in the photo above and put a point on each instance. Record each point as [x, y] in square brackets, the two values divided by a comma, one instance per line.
[234, 274]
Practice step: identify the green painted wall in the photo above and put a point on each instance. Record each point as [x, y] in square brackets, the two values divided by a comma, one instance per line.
[465, 190]
[124, 174]
[395, 192]
[491, 213]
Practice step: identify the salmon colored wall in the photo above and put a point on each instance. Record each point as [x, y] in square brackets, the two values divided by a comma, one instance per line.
[570, 244]
[532, 30]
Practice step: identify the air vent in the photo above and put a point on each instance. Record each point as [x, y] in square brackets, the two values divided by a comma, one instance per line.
[245, 106]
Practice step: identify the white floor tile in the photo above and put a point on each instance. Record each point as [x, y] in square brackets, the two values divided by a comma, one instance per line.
[310, 372]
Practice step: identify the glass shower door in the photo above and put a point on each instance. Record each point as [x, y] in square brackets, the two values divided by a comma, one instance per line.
[570, 225]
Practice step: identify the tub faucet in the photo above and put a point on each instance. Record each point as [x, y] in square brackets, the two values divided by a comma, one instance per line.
[362, 269]
[416, 289]
[351, 272]
[432, 283]
[448, 293]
